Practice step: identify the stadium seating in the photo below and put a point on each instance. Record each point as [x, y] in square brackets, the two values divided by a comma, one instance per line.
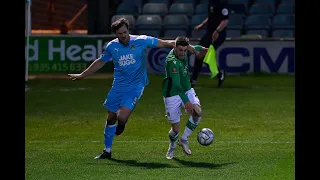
[257, 22]
[271, 3]
[155, 8]
[149, 25]
[193, 2]
[197, 34]
[182, 8]
[137, 3]
[130, 18]
[246, 3]
[127, 8]
[238, 9]
[201, 9]
[233, 33]
[197, 19]
[150, 32]
[175, 24]
[236, 22]
[283, 21]
[285, 33]
[244, 15]
[173, 33]
[167, 2]
[203, 1]
[265, 17]
[261, 9]
[287, 1]
[285, 9]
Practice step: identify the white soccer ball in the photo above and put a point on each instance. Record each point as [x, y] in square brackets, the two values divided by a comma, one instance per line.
[205, 136]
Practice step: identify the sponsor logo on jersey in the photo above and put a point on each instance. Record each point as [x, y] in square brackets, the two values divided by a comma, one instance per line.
[174, 70]
[126, 59]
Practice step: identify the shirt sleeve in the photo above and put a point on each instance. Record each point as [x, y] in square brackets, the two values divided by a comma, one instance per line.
[197, 47]
[173, 70]
[151, 41]
[225, 11]
[106, 55]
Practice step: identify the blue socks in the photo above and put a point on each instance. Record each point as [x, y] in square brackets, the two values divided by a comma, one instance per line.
[109, 131]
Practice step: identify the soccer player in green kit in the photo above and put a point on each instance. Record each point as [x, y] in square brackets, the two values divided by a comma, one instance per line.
[177, 93]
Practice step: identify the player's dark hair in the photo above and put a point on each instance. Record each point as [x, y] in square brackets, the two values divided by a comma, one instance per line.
[119, 23]
[182, 41]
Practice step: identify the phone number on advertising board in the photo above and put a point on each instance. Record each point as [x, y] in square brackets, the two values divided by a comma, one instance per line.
[57, 67]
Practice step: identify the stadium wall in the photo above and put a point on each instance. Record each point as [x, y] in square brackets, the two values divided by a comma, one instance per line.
[72, 54]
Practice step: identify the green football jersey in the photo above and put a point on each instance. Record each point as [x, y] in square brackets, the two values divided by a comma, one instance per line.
[177, 79]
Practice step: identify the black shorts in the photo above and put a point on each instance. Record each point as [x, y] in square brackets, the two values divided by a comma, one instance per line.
[206, 40]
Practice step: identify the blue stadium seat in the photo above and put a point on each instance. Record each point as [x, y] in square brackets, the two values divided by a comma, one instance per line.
[198, 34]
[155, 8]
[175, 22]
[246, 3]
[257, 22]
[261, 32]
[285, 33]
[173, 33]
[283, 21]
[181, 8]
[286, 9]
[233, 33]
[203, 1]
[201, 9]
[127, 8]
[271, 3]
[130, 18]
[261, 9]
[193, 2]
[148, 22]
[138, 3]
[150, 32]
[238, 9]
[288, 1]
[235, 21]
[167, 2]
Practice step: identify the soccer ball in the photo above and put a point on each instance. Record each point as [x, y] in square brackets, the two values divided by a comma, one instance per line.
[205, 136]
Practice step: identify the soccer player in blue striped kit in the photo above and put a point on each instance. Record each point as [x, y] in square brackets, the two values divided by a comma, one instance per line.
[127, 52]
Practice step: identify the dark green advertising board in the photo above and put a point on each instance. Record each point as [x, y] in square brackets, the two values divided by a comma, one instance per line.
[64, 54]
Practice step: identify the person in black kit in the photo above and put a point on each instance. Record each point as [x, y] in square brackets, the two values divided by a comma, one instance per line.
[217, 20]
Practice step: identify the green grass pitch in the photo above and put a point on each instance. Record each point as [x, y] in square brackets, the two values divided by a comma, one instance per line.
[252, 118]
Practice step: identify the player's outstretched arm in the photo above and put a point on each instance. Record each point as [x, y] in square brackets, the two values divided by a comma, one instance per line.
[170, 44]
[165, 43]
[95, 66]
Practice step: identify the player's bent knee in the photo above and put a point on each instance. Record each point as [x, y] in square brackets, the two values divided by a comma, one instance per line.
[111, 121]
[176, 127]
[174, 121]
[112, 118]
[197, 111]
[123, 115]
[122, 120]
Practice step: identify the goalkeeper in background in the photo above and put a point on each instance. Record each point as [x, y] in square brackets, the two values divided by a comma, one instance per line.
[177, 93]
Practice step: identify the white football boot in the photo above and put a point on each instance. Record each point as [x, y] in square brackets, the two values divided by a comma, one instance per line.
[170, 152]
[184, 145]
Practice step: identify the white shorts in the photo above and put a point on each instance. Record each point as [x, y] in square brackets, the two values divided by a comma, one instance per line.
[173, 105]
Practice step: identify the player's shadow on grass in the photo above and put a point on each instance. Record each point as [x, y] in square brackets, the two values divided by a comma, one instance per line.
[148, 165]
[201, 164]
